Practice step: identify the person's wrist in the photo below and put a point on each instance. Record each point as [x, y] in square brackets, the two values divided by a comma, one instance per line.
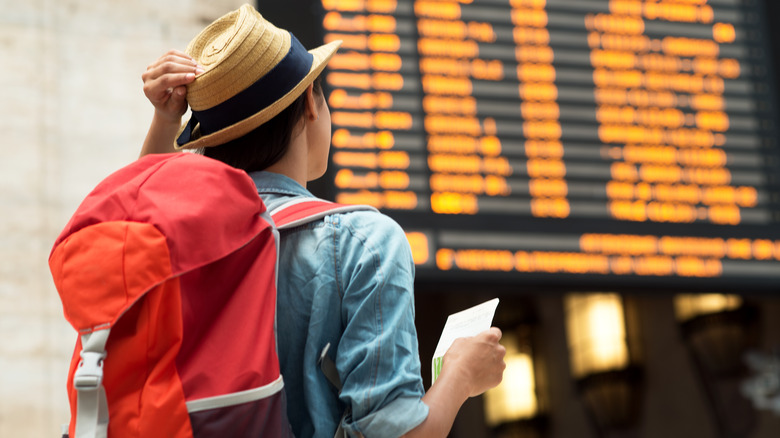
[164, 118]
[457, 377]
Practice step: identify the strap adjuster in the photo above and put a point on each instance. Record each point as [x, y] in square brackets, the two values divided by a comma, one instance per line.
[89, 374]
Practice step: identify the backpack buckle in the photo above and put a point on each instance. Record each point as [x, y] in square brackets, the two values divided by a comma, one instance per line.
[89, 374]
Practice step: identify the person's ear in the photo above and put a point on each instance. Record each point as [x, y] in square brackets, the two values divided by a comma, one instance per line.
[312, 112]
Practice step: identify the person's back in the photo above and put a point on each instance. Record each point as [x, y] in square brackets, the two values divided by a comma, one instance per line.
[347, 279]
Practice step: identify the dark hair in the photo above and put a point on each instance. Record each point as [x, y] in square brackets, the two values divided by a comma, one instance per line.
[266, 144]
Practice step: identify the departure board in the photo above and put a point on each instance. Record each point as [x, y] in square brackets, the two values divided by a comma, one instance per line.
[630, 141]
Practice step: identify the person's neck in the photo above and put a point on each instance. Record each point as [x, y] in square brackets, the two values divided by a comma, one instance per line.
[294, 162]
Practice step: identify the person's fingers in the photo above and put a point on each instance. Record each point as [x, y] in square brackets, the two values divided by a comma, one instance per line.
[178, 96]
[177, 103]
[174, 80]
[169, 68]
[501, 353]
[491, 335]
[167, 72]
[161, 87]
[172, 56]
[496, 332]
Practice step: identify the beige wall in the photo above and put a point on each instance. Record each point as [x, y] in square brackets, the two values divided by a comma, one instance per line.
[71, 112]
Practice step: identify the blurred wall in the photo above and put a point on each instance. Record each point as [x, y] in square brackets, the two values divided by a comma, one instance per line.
[71, 111]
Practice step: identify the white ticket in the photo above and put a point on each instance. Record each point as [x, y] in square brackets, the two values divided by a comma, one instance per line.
[465, 323]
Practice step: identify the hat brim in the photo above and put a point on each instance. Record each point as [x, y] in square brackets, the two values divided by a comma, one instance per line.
[322, 56]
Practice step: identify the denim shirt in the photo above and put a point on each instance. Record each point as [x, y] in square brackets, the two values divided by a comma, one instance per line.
[346, 279]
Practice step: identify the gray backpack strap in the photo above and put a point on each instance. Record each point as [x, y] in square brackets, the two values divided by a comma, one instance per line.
[92, 406]
[328, 368]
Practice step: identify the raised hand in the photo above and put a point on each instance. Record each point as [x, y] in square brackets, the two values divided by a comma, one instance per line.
[164, 84]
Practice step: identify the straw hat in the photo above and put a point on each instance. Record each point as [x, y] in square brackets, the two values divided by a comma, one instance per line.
[253, 70]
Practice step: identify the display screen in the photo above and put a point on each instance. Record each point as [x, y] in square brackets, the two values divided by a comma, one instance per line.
[562, 140]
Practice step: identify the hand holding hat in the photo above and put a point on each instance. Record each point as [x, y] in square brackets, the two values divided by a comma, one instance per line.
[164, 84]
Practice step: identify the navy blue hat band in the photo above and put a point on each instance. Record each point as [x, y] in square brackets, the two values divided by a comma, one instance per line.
[265, 91]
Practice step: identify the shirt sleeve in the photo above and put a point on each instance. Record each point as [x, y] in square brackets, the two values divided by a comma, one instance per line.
[377, 357]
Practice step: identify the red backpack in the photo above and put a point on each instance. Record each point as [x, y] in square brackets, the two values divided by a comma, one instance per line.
[167, 270]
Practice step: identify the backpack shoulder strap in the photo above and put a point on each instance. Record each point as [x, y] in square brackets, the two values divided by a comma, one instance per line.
[303, 210]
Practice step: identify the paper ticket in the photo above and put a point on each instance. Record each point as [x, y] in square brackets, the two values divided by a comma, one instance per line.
[465, 323]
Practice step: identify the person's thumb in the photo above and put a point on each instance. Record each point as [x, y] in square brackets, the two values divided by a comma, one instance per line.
[180, 93]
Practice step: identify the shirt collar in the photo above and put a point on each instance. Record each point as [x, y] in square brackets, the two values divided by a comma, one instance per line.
[270, 182]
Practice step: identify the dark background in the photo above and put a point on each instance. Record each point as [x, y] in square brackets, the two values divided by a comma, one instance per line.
[675, 399]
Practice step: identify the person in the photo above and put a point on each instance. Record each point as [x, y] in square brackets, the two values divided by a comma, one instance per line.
[257, 104]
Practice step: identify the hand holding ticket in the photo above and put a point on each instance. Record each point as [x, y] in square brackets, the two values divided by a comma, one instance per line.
[466, 323]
